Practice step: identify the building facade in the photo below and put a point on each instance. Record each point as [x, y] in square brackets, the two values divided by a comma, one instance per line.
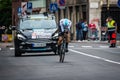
[94, 11]
[74, 10]
[99, 10]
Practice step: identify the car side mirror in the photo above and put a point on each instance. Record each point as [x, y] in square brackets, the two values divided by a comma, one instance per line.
[13, 27]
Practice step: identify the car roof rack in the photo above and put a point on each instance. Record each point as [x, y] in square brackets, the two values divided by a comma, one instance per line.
[45, 14]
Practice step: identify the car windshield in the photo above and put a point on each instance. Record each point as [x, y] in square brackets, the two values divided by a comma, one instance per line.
[38, 24]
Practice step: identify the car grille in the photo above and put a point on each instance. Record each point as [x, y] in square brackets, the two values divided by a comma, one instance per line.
[39, 40]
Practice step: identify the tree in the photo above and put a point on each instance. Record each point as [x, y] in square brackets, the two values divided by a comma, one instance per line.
[5, 12]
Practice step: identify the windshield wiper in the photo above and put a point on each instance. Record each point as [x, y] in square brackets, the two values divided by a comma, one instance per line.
[28, 29]
[48, 28]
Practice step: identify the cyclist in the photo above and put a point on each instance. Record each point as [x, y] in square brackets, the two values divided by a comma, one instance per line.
[63, 25]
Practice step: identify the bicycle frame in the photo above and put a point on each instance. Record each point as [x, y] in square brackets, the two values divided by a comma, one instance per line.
[63, 48]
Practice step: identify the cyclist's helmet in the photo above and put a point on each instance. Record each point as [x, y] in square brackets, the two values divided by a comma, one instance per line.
[65, 23]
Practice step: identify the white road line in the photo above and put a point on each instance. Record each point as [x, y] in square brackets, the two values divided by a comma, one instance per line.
[11, 48]
[70, 46]
[104, 46]
[96, 57]
[86, 46]
[107, 46]
[0, 49]
[118, 46]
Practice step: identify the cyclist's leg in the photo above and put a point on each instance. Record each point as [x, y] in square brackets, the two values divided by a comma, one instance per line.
[67, 41]
[59, 43]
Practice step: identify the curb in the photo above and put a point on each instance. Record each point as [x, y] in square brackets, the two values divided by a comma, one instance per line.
[9, 45]
[6, 44]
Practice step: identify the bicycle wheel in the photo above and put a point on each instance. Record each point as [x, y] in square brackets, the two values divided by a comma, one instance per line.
[62, 52]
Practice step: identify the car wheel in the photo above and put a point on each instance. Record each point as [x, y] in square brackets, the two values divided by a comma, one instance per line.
[55, 52]
[17, 51]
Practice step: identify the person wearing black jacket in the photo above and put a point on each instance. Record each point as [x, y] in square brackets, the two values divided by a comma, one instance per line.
[79, 32]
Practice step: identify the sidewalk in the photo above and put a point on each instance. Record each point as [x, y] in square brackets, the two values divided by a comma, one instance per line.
[7, 44]
[91, 41]
[10, 44]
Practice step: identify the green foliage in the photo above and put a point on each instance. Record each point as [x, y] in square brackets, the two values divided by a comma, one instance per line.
[5, 12]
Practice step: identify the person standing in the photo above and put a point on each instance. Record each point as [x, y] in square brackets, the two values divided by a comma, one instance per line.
[112, 29]
[84, 29]
[79, 30]
[93, 31]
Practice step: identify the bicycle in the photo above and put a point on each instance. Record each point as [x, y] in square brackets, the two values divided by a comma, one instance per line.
[62, 48]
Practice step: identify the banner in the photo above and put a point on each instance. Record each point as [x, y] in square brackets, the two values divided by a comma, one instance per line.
[6, 37]
[24, 8]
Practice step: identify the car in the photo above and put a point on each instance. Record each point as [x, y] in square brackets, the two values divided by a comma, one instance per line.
[33, 34]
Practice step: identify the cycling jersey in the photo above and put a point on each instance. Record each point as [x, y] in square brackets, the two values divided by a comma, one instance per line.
[65, 23]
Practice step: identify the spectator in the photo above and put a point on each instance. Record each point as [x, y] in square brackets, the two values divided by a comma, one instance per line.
[93, 31]
[112, 29]
[79, 30]
[85, 29]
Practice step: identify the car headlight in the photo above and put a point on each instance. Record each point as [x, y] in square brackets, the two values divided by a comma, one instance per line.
[55, 36]
[20, 37]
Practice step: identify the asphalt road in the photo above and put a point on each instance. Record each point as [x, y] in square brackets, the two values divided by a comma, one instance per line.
[85, 61]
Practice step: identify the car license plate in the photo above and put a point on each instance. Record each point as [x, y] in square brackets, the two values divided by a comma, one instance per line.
[39, 44]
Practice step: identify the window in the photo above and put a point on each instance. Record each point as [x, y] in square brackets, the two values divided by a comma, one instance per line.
[38, 3]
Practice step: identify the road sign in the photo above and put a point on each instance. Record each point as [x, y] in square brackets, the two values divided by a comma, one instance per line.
[29, 7]
[61, 2]
[19, 11]
[118, 3]
[53, 7]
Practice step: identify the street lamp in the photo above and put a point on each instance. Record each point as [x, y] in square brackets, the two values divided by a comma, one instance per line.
[100, 8]
[108, 5]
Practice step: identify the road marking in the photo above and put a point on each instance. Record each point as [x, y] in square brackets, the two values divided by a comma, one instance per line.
[79, 48]
[104, 46]
[86, 46]
[96, 57]
[118, 46]
[108, 47]
[70, 46]
[0, 49]
[97, 47]
[12, 48]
